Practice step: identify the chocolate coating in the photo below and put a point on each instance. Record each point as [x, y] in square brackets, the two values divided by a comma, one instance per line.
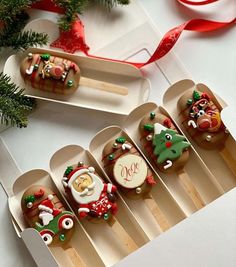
[55, 75]
[141, 187]
[60, 235]
[178, 163]
[204, 114]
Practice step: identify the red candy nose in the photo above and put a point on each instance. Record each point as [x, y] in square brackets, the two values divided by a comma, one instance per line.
[168, 144]
[204, 125]
[57, 71]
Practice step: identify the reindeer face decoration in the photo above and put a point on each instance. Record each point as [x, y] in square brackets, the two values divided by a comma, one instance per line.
[203, 113]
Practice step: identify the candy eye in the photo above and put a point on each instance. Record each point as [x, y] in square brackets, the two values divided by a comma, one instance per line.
[47, 238]
[200, 113]
[67, 223]
[29, 205]
[168, 137]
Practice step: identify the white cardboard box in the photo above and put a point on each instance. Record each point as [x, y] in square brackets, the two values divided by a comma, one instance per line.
[165, 72]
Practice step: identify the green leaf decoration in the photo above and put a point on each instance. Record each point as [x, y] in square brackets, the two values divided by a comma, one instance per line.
[196, 95]
[148, 127]
[68, 170]
[169, 145]
[30, 198]
[45, 57]
[121, 140]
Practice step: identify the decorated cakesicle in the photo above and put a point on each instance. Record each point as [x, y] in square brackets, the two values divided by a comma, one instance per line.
[169, 150]
[94, 199]
[44, 212]
[51, 73]
[128, 169]
[201, 117]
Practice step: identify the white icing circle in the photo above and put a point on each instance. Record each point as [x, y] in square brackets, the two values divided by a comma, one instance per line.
[67, 223]
[130, 171]
[47, 238]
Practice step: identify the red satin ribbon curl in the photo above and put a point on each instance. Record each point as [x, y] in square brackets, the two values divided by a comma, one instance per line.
[165, 45]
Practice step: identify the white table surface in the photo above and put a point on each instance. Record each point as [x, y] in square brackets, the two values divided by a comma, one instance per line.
[210, 58]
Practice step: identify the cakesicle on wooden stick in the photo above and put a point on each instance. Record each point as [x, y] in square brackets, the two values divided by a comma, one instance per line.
[201, 116]
[59, 75]
[169, 151]
[130, 172]
[94, 199]
[43, 210]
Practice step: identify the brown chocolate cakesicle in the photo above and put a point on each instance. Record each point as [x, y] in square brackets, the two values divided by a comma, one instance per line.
[201, 116]
[94, 199]
[202, 120]
[146, 128]
[130, 172]
[43, 211]
[58, 75]
[169, 151]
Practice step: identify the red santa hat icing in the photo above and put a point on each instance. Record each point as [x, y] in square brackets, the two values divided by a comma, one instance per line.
[47, 205]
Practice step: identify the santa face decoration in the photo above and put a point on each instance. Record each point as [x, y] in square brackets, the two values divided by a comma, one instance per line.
[90, 194]
[43, 211]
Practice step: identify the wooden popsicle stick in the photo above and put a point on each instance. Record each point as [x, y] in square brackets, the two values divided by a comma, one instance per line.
[190, 189]
[229, 160]
[157, 213]
[123, 235]
[74, 257]
[104, 86]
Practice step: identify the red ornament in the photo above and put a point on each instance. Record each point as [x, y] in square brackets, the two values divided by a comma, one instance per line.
[72, 40]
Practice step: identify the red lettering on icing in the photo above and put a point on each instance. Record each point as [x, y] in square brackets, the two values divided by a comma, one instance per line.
[128, 172]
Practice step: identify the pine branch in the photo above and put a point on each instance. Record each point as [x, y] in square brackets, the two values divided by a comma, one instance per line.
[11, 34]
[14, 106]
[111, 3]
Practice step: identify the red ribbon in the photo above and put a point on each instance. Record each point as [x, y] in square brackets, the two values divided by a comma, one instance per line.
[75, 39]
[197, 3]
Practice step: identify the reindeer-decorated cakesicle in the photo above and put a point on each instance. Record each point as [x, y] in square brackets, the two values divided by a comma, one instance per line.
[169, 150]
[93, 199]
[130, 172]
[44, 211]
[201, 117]
[60, 75]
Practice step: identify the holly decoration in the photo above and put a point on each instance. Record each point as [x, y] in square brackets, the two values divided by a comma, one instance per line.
[68, 170]
[148, 127]
[169, 145]
[196, 96]
[121, 140]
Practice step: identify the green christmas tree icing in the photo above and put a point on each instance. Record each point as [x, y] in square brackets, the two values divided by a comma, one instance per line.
[169, 145]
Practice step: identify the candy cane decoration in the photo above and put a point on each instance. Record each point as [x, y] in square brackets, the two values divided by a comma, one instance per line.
[192, 123]
[30, 70]
[168, 165]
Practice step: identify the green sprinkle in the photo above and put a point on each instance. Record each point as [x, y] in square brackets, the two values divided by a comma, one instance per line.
[121, 140]
[106, 216]
[36, 66]
[62, 237]
[189, 102]
[70, 83]
[152, 115]
[148, 127]
[111, 156]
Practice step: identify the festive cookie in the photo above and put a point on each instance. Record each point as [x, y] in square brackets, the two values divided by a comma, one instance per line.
[92, 197]
[44, 211]
[167, 148]
[50, 73]
[202, 119]
[127, 168]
